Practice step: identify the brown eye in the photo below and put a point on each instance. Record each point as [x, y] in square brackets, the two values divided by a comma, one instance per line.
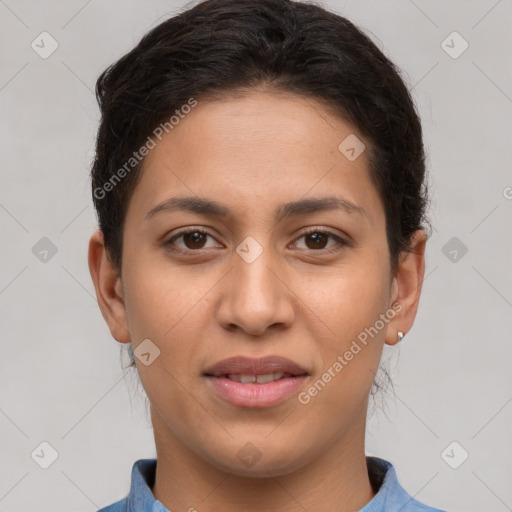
[192, 239]
[318, 240]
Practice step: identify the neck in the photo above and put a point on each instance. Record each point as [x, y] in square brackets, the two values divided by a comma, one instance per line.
[336, 480]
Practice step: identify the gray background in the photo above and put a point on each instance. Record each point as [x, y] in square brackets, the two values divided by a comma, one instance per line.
[61, 379]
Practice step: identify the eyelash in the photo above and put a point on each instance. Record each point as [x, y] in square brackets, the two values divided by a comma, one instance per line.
[341, 242]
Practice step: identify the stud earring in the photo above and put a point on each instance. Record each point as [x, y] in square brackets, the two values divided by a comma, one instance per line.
[400, 336]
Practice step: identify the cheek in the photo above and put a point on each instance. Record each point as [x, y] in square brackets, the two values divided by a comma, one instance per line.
[351, 306]
[348, 299]
[161, 298]
[166, 307]
[170, 307]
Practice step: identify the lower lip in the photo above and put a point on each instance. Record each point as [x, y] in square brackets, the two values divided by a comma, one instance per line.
[256, 395]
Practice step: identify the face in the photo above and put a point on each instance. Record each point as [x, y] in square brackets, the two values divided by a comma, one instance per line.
[289, 269]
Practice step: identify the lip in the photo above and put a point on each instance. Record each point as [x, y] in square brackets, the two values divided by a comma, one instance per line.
[255, 395]
[255, 366]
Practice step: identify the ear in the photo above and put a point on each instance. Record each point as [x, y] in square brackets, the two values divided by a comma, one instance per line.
[406, 287]
[109, 290]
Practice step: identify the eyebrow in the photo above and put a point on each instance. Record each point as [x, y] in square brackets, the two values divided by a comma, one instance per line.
[208, 207]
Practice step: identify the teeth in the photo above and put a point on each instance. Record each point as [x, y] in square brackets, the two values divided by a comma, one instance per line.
[269, 377]
[252, 379]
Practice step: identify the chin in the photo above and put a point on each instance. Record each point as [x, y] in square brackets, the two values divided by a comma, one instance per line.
[251, 461]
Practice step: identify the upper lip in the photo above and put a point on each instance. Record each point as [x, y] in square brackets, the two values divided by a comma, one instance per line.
[255, 366]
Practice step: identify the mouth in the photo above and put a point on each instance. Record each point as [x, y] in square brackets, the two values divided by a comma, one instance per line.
[257, 379]
[259, 367]
[255, 383]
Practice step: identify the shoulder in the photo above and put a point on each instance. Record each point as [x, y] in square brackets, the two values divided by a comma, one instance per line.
[390, 496]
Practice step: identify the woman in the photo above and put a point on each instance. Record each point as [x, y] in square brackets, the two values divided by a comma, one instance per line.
[259, 184]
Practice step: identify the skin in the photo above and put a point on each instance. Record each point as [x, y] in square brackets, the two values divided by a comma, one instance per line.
[253, 153]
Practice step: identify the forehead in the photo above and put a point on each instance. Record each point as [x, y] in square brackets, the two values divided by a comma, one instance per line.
[257, 150]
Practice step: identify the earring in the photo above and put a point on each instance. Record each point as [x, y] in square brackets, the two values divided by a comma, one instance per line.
[400, 336]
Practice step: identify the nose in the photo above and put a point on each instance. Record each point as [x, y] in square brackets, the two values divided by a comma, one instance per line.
[256, 296]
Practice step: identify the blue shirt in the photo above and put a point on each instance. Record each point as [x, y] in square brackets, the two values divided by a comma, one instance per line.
[390, 497]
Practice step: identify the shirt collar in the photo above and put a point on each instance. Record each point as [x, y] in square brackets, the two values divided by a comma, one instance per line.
[390, 497]
[141, 498]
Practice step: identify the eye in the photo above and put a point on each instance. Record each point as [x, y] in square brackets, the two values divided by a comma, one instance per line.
[193, 238]
[316, 240]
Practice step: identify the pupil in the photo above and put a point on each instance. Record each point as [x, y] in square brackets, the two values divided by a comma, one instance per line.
[195, 237]
[317, 238]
